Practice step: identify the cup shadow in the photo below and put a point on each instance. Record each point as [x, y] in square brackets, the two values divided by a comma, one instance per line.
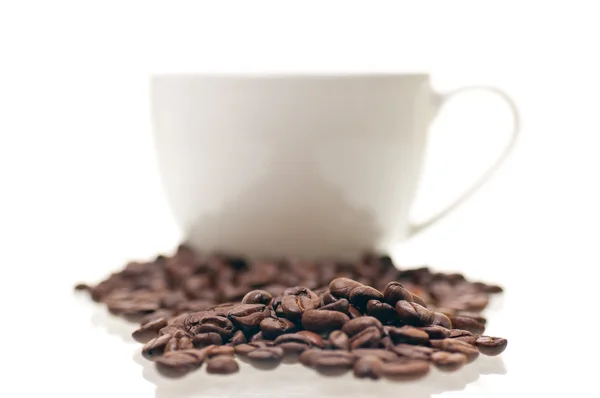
[294, 380]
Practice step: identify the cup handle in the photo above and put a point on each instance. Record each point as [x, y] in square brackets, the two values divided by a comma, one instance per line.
[442, 100]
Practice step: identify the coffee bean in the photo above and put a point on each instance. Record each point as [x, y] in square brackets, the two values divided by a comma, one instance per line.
[408, 335]
[247, 317]
[367, 367]
[435, 332]
[466, 323]
[323, 321]
[386, 342]
[382, 354]
[474, 315]
[453, 345]
[328, 298]
[185, 343]
[353, 312]
[339, 340]
[314, 338]
[244, 349]
[341, 287]
[419, 300]
[329, 365]
[413, 313]
[291, 350]
[394, 292]
[491, 345]
[149, 330]
[273, 327]
[307, 357]
[257, 337]
[237, 338]
[447, 361]
[463, 335]
[155, 347]
[441, 319]
[409, 369]
[382, 311]
[222, 364]
[295, 301]
[178, 363]
[296, 338]
[221, 350]
[205, 339]
[357, 325]
[360, 295]
[367, 338]
[266, 358]
[341, 305]
[158, 314]
[257, 297]
[413, 351]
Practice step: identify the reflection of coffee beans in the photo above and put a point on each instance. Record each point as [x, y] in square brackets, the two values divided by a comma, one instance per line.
[334, 318]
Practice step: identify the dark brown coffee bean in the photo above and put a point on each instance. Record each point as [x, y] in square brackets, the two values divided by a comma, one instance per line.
[380, 353]
[413, 351]
[386, 342]
[339, 340]
[315, 339]
[221, 350]
[463, 335]
[394, 292]
[177, 363]
[170, 330]
[357, 325]
[382, 311]
[172, 345]
[307, 357]
[404, 370]
[441, 319]
[341, 305]
[291, 350]
[353, 312]
[435, 332]
[453, 345]
[341, 287]
[367, 338]
[475, 315]
[266, 358]
[448, 361]
[491, 345]
[83, 287]
[262, 343]
[237, 338]
[247, 317]
[367, 367]
[466, 323]
[257, 297]
[149, 330]
[244, 349]
[419, 300]
[185, 343]
[329, 365]
[297, 300]
[257, 337]
[205, 339]
[413, 313]
[493, 289]
[273, 327]
[212, 323]
[222, 364]
[222, 309]
[179, 334]
[295, 338]
[408, 335]
[328, 298]
[359, 296]
[323, 321]
[166, 314]
[155, 347]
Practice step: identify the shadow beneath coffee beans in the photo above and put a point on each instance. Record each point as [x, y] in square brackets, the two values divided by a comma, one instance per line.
[113, 324]
[298, 381]
[305, 215]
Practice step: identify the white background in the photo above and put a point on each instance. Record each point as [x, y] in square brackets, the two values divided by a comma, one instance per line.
[80, 194]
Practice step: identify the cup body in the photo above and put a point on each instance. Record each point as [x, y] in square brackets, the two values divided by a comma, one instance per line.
[291, 165]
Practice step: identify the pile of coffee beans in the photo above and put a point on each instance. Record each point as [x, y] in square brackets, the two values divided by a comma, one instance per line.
[367, 316]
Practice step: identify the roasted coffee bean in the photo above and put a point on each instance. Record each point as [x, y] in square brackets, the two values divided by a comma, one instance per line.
[83, 287]
[441, 319]
[314, 338]
[475, 315]
[266, 358]
[307, 357]
[408, 335]
[413, 313]
[463, 335]
[212, 323]
[448, 361]
[185, 343]
[257, 337]
[357, 325]
[380, 353]
[178, 363]
[149, 330]
[353, 312]
[341, 287]
[222, 364]
[453, 345]
[394, 292]
[244, 349]
[296, 301]
[386, 342]
[491, 345]
[237, 338]
[247, 317]
[205, 339]
[435, 332]
[367, 338]
[162, 313]
[291, 350]
[466, 323]
[328, 298]
[332, 365]
[221, 350]
[367, 367]
[419, 300]
[222, 309]
[403, 370]
[413, 351]
[172, 345]
[339, 340]
[359, 296]
[341, 305]
[257, 297]
[382, 311]
[296, 338]
[170, 330]
[323, 321]
[156, 346]
[273, 327]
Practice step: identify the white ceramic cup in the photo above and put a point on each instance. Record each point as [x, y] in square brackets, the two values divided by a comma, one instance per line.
[295, 165]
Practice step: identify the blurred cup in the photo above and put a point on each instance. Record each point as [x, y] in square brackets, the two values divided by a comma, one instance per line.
[296, 165]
